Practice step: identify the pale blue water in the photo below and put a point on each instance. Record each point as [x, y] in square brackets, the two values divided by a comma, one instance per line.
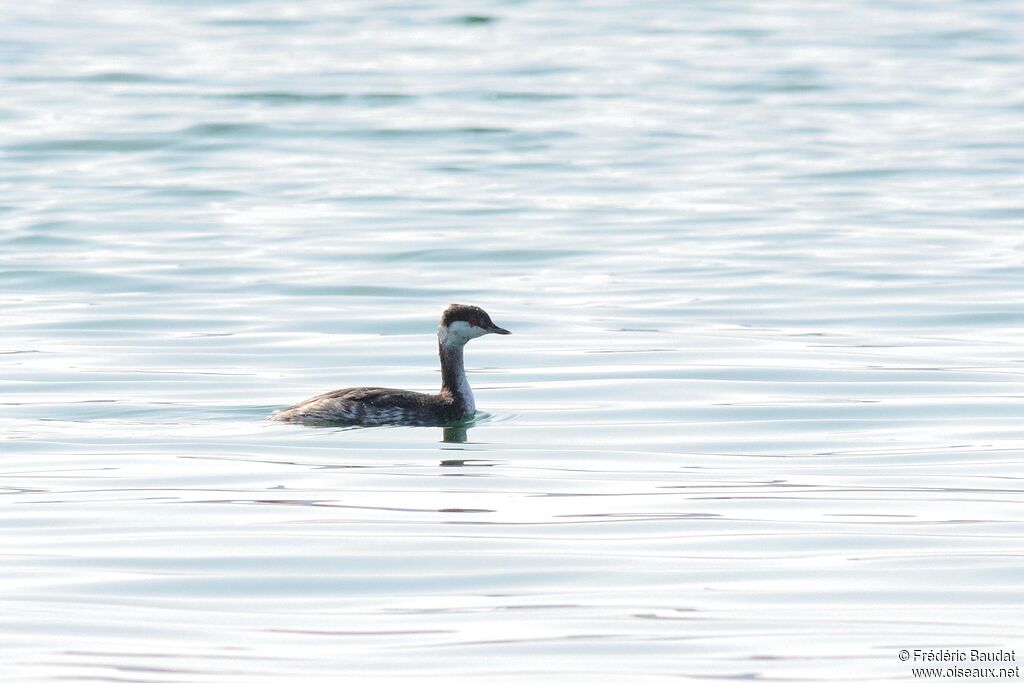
[760, 416]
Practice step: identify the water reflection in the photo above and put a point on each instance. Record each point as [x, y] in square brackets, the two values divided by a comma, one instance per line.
[456, 434]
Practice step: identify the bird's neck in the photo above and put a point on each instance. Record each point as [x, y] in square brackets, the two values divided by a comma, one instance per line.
[453, 375]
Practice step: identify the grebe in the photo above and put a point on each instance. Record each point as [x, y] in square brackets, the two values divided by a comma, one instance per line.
[377, 406]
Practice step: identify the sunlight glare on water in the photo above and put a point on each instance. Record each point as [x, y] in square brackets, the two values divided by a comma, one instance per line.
[759, 417]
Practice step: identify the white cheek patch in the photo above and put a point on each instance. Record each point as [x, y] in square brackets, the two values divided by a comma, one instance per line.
[459, 332]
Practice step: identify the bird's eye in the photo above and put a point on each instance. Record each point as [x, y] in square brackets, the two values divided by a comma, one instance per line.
[475, 322]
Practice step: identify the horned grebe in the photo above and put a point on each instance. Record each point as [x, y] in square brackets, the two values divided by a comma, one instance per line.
[377, 406]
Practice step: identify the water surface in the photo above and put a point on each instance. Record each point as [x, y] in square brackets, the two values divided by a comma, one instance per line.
[760, 415]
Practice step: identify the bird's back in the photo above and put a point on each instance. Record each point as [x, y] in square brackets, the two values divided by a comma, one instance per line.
[373, 405]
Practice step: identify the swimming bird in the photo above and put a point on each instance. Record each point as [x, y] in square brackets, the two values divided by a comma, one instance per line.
[379, 406]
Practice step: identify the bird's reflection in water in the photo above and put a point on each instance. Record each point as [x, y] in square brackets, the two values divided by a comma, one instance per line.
[468, 463]
[460, 434]
[456, 434]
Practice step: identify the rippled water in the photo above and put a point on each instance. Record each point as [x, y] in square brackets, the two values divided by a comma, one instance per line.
[760, 416]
